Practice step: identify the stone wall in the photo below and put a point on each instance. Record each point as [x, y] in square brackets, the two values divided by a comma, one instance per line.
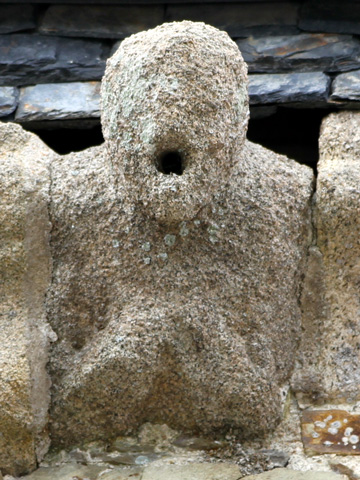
[298, 54]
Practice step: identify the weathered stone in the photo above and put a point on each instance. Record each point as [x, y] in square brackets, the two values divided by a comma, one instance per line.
[178, 251]
[195, 471]
[330, 367]
[24, 278]
[8, 100]
[305, 52]
[32, 59]
[60, 101]
[287, 474]
[310, 88]
[14, 18]
[276, 458]
[279, 18]
[338, 226]
[346, 87]
[101, 21]
[22, 54]
[331, 431]
[330, 16]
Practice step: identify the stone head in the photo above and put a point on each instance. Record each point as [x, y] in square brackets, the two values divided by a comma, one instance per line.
[174, 116]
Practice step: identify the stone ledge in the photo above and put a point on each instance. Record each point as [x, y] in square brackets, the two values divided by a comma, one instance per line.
[326, 16]
[62, 101]
[8, 100]
[289, 88]
[101, 21]
[14, 18]
[36, 59]
[65, 102]
[277, 18]
[304, 52]
[346, 86]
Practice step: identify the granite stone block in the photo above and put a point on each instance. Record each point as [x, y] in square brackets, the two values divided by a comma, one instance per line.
[330, 16]
[62, 101]
[14, 18]
[304, 52]
[118, 21]
[27, 59]
[8, 100]
[346, 86]
[242, 19]
[309, 87]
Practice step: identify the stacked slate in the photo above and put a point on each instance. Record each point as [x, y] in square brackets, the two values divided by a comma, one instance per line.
[299, 53]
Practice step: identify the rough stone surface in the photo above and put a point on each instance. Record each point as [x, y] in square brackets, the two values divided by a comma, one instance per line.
[60, 101]
[31, 59]
[24, 278]
[174, 297]
[310, 88]
[330, 16]
[330, 370]
[346, 87]
[279, 18]
[101, 21]
[197, 471]
[304, 52]
[8, 100]
[286, 474]
[14, 18]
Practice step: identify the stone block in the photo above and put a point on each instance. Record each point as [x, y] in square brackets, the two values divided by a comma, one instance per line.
[346, 87]
[330, 16]
[338, 227]
[310, 88]
[59, 101]
[240, 20]
[25, 270]
[31, 59]
[330, 431]
[101, 21]
[22, 55]
[305, 52]
[330, 372]
[8, 100]
[14, 18]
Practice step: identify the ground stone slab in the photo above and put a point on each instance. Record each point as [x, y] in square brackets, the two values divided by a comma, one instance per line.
[346, 86]
[304, 52]
[60, 101]
[31, 59]
[8, 100]
[196, 471]
[311, 87]
[14, 18]
[70, 472]
[330, 16]
[240, 20]
[100, 21]
[287, 474]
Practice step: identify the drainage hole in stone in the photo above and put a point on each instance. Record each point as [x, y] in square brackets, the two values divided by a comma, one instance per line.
[171, 162]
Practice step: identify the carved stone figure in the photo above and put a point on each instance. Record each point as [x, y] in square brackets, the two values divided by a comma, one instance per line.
[178, 250]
